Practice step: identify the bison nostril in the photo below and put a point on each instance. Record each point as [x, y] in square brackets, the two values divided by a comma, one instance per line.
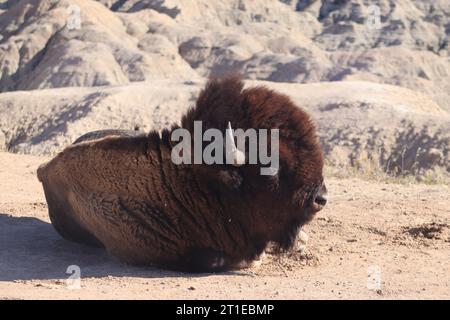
[320, 200]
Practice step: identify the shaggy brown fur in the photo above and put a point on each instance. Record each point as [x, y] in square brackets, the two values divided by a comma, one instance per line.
[120, 190]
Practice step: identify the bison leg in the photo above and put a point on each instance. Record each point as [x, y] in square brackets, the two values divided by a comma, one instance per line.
[63, 221]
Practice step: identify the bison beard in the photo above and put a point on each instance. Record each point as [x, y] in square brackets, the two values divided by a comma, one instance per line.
[120, 190]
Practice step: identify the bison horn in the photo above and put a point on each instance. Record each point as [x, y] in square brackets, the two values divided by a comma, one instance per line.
[234, 153]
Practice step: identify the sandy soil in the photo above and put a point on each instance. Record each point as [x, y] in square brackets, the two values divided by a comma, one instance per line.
[401, 232]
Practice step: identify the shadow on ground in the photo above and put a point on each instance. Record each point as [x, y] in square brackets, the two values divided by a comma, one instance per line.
[31, 249]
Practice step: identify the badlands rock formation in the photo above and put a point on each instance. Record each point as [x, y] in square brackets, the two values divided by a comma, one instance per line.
[60, 43]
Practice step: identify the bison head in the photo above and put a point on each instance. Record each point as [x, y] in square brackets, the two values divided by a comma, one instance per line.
[273, 207]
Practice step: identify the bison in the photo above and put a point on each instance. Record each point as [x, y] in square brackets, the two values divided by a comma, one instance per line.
[120, 190]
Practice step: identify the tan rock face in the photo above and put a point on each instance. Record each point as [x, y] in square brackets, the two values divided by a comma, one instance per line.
[80, 43]
[2, 141]
[397, 42]
[403, 43]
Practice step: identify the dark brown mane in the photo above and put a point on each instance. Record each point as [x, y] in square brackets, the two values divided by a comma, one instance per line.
[225, 99]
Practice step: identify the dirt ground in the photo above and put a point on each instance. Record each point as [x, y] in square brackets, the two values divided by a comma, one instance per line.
[373, 241]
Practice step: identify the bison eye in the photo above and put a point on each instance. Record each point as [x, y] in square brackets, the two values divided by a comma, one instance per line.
[231, 178]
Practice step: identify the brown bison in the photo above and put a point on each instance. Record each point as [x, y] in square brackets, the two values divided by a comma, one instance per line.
[120, 190]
